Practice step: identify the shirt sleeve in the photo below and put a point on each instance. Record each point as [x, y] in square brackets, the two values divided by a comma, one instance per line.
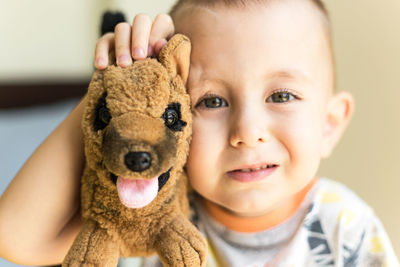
[374, 249]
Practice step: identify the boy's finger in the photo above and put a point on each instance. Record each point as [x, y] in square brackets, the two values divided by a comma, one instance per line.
[141, 27]
[123, 44]
[163, 28]
[159, 44]
[103, 47]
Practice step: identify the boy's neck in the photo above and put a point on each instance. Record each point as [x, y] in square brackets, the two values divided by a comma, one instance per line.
[258, 223]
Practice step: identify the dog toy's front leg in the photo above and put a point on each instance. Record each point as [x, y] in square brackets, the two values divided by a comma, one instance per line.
[180, 244]
[92, 247]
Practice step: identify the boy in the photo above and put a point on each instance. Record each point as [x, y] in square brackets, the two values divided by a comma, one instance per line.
[264, 114]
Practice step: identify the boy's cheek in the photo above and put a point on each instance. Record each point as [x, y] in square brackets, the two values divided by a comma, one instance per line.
[326, 148]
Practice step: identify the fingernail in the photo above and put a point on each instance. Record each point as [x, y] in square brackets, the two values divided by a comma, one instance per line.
[100, 62]
[163, 42]
[138, 52]
[124, 59]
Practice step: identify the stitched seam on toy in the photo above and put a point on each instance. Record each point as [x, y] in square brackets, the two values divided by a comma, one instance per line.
[88, 243]
[181, 250]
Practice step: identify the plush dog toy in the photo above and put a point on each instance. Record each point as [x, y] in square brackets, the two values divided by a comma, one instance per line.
[137, 129]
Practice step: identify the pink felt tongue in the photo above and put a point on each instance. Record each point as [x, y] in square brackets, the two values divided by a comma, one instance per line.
[137, 193]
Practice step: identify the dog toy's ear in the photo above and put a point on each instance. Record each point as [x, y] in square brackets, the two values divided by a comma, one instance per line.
[175, 56]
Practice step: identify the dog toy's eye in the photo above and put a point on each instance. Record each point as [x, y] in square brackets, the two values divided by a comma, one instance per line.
[172, 117]
[102, 115]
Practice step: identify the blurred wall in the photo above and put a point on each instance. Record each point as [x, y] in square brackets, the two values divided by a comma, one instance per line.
[42, 40]
[49, 39]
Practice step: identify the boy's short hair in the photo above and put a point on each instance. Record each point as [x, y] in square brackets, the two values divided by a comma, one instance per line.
[246, 3]
[236, 3]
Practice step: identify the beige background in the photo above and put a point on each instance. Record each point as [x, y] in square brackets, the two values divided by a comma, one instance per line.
[54, 40]
[367, 46]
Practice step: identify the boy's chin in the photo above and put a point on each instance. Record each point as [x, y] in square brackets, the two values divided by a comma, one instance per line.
[250, 205]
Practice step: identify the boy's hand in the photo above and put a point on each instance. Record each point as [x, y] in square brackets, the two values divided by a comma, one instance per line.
[142, 39]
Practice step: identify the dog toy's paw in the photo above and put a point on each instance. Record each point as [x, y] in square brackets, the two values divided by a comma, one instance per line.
[193, 249]
[93, 247]
[75, 263]
[180, 244]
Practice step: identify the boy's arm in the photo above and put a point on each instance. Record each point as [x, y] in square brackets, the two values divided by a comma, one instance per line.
[39, 210]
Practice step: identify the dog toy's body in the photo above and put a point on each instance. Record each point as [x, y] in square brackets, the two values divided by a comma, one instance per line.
[137, 127]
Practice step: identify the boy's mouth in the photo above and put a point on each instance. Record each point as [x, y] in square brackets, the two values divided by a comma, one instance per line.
[255, 167]
[266, 166]
[252, 173]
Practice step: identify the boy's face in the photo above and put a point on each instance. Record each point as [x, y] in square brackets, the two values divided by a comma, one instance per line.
[259, 81]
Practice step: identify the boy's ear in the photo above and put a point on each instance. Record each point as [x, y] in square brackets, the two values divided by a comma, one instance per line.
[175, 56]
[339, 111]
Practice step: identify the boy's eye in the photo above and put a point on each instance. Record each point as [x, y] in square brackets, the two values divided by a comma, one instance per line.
[213, 102]
[281, 97]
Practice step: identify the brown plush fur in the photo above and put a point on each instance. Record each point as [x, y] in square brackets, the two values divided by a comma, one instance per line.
[137, 97]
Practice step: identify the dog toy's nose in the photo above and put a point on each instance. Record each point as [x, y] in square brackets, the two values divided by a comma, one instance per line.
[138, 161]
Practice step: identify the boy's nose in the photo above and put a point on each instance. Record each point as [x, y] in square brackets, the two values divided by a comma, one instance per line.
[248, 130]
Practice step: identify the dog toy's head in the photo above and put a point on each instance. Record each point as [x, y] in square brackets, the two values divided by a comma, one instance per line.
[137, 123]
